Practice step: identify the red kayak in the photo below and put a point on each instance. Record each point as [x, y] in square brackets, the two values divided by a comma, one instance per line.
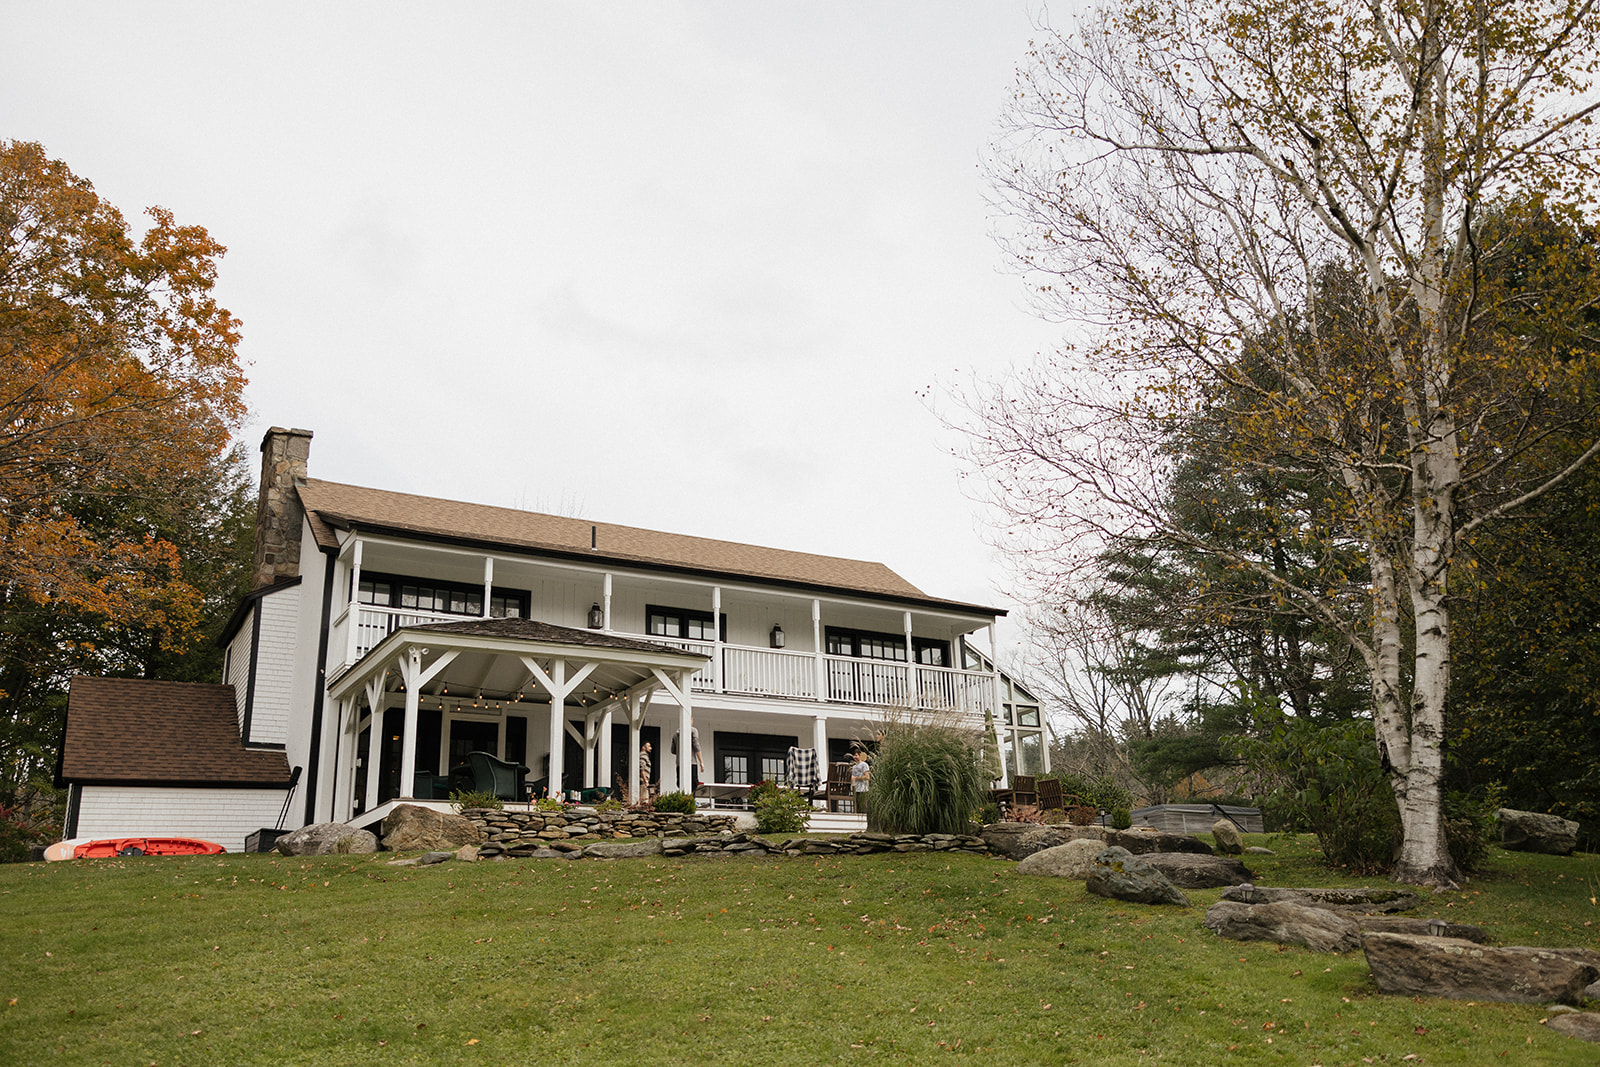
[145, 846]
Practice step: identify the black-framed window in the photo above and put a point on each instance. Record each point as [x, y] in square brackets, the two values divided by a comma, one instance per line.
[445, 598]
[744, 759]
[867, 644]
[688, 624]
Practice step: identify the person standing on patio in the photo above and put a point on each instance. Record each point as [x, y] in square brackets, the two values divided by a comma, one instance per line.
[697, 762]
[860, 778]
[644, 772]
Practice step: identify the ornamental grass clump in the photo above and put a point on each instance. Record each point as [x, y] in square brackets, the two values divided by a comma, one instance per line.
[925, 780]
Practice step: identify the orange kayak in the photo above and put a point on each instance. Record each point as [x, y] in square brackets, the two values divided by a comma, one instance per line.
[144, 846]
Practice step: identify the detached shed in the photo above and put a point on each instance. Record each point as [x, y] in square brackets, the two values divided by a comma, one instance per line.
[165, 759]
[1197, 818]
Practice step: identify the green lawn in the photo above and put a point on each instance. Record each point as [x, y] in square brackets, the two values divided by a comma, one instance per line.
[890, 958]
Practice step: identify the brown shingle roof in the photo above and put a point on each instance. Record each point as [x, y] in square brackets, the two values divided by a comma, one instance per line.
[136, 731]
[331, 506]
[530, 630]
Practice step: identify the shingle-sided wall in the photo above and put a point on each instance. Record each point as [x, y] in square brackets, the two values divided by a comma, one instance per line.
[226, 816]
[269, 721]
[239, 665]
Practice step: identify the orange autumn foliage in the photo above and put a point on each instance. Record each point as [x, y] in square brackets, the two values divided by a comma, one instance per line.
[119, 373]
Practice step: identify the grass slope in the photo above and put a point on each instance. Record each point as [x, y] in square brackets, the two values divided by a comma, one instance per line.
[901, 958]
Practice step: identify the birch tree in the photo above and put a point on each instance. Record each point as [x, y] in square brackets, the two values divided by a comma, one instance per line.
[1274, 218]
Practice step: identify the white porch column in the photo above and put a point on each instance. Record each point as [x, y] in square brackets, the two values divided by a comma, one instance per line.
[677, 686]
[606, 606]
[912, 698]
[603, 753]
[408, 743]
[994, 674]
[415, 676]
[558, 685]
[352, 614]
[816, 643]
[819, 741]
[558, 718]
[344, 800]
[716, 638]
[488, 586]
[635, 707]
[374, 691]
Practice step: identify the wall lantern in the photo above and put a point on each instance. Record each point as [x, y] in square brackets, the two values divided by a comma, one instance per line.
[777, 636]
[597, 618]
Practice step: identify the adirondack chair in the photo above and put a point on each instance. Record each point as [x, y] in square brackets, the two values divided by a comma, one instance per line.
[1023, 790]
[840, 795]
[1050, 797]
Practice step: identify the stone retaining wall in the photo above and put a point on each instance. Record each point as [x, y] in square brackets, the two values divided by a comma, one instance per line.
[584, 831]
[542, 829]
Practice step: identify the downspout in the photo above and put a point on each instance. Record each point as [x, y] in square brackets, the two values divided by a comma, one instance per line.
[313, 760]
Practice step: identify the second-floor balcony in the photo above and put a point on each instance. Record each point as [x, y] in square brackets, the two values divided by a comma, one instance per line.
[742, 669]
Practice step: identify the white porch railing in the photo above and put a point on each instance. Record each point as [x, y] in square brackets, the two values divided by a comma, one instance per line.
[767, 672]
[746, 670]
[360, 627]
[705, 678]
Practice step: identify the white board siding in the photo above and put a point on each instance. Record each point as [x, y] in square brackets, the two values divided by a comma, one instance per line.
[239, 663]
[269, 716]
[226, 816]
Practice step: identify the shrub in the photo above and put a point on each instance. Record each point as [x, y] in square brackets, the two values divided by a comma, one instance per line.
[680, 803]
[1330, 783]
[548, 804]
[781, 811]
[1082, 814]
[1121, 819]
[988, 812]
[610, 806]
[1103, 793]
[1470, 827]
[925, 780]
[474, 798]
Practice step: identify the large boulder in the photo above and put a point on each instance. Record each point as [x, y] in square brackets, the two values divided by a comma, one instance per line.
[623, 850]
[1363, 900]
[1193, 870]
[1121, 875]
[1405, 924]
[1532, 831]
[1583, 1025]
[327, 839]
[1146, 840]
[1227, 837]
[1286, 923]
[1075, 859]
[1019, 840]
[413, 828]
[1460, 970]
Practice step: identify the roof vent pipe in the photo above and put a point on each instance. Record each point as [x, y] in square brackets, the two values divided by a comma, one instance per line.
[594, 537]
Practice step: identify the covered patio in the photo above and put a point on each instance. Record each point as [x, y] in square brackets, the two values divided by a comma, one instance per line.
[513, 687]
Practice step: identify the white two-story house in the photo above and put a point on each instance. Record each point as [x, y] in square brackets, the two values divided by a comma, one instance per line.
[391, 635]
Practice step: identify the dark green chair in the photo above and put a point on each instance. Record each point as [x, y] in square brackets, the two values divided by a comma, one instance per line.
[490, 774]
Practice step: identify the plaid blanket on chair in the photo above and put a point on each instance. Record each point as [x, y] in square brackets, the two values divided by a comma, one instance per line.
[802, 769]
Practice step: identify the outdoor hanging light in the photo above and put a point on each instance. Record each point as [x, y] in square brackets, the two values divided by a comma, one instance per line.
[597, 618]
[777, 636]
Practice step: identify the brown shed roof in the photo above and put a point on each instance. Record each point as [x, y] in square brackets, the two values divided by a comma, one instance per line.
[332, 506]
[128, 730]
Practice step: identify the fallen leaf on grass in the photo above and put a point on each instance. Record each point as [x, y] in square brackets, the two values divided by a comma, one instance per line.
[472, 1041]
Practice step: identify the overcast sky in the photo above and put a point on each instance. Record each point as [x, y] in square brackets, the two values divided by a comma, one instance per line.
[684, 266]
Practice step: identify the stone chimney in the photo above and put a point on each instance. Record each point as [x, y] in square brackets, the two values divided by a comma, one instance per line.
[279, 515]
